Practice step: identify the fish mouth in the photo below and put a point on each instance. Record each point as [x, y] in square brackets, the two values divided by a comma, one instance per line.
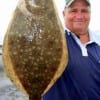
[35, 8]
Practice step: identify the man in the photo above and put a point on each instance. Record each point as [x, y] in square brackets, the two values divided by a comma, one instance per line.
[81, 78]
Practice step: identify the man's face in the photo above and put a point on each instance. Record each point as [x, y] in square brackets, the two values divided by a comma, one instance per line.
[77, 16]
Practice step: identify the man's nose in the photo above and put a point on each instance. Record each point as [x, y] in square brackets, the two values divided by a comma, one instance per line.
[79, 15]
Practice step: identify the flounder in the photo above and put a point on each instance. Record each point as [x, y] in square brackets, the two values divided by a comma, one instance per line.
[34, 49]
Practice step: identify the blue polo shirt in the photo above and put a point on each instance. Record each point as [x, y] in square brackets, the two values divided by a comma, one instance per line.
[81, 78]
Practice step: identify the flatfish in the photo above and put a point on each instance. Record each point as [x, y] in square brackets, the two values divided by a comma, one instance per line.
[34, 48]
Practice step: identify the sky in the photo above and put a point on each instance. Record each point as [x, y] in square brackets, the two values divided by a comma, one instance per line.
[7, 8]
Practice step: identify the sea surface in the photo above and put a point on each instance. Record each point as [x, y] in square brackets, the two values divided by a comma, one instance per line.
[8, 91]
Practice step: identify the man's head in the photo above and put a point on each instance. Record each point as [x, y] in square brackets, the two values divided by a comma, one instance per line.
[77, 15]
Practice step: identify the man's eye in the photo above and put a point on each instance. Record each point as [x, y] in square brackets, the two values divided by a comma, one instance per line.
[73, 11]
[85, 11]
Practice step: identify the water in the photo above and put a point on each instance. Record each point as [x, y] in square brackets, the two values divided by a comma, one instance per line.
[8, 91]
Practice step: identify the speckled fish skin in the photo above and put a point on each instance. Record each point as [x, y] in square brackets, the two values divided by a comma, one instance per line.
[34, 49]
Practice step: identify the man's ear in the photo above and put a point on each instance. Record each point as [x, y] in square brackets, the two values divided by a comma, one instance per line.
[63, 12]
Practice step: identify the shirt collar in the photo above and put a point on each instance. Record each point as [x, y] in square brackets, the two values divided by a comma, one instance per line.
[94, 36]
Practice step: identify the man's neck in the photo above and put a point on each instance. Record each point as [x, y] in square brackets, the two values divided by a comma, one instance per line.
[84, 38]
